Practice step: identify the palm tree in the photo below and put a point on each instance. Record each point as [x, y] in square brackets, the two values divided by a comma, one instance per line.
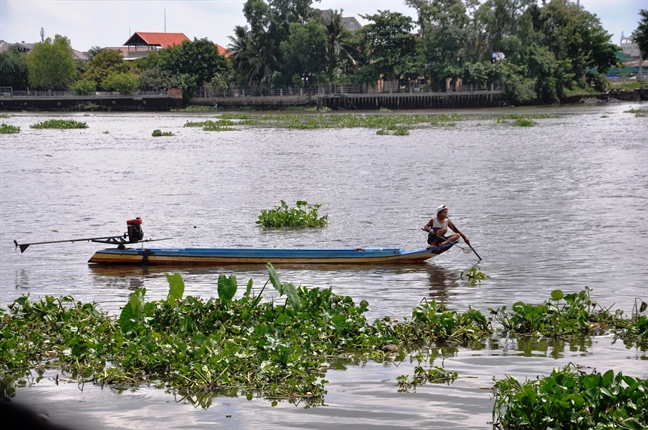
[261, 61]
[336, 47]
[240, 48]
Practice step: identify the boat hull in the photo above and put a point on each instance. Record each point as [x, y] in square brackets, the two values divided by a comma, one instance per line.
[222, 256]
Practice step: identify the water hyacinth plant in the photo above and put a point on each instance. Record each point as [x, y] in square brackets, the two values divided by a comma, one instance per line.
[303, 215]
[224, 345]
[570, 398]
[62, 124]
[158, 133]
[561, 316]
[474, 275]
[9, 129]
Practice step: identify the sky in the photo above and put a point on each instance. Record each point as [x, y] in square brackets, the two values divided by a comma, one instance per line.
[107, 23]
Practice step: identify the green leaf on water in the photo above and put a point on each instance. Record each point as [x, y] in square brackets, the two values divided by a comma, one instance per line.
[227, 287]
[248, 290]
[274, 278]
[131, 313]
[176, 288]
[293, 297]
[557, 295]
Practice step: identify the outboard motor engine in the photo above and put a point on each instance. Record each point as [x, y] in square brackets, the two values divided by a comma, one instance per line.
[135, 232]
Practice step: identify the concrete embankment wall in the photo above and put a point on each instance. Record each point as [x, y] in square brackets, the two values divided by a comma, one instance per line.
[362, 101]
[258, 102]
[395, 101]
[121, 103]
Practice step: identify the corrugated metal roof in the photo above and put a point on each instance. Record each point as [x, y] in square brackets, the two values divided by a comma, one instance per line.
[156, 39]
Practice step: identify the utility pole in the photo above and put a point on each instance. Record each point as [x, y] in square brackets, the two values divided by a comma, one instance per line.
[165, 20]
[42, 35]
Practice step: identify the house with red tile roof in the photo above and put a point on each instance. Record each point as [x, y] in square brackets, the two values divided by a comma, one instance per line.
[142, 43]
[157, 40]
[223, 51]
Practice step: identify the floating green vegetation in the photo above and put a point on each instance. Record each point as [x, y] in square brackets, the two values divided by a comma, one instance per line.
[105, 132]
[570, 398]
[384, 109]
[9, 129]
[524, 123]
[304, 215]
[194, 108]
[5, 115]
[306, 109]
[63, 124]
[394, 130]
[280, 349]
[235, 116]
[434, 375]
[223, 124]
[393, 124]
[639, 113]
[561, 316]
[158, 133]
[527, 116]
[474, 275]
[604, 116]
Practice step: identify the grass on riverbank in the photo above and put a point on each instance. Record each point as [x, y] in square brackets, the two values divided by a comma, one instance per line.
[278, 349]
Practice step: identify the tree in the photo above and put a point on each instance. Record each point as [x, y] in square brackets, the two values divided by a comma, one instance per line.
[84, 86]
[51, 64]
[13, 69]
[199, 59]
[641, 39]
[304, 52]
[157, 79]
[125, 83]
[574, 36]
[337, 46]
[103, 63]
[240, 48]
[641, 34]
[270, 26]
[391, 46]
[186, 66]
[501, 19]
[261, 61]
[447, 38]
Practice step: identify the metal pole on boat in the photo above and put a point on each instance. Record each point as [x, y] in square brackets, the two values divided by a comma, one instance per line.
[24, 246]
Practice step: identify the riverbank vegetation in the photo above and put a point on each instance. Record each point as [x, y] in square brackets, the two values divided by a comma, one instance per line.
[302, 215]
[540, 52]
[281, 349]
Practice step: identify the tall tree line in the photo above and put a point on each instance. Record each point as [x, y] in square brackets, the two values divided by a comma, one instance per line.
[548, 49]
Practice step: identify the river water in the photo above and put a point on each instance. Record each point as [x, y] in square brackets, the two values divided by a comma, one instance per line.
[562, 204]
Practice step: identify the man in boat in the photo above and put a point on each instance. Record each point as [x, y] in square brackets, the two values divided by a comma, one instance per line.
[438, 227]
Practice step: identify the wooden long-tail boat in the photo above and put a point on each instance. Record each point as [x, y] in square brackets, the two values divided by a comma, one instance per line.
[221, 256]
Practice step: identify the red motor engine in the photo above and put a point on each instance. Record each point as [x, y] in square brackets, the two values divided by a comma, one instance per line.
[135, 232]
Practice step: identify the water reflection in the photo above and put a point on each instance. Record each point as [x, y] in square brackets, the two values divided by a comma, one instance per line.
[22, 279]
[441, 281]
[543, 347]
